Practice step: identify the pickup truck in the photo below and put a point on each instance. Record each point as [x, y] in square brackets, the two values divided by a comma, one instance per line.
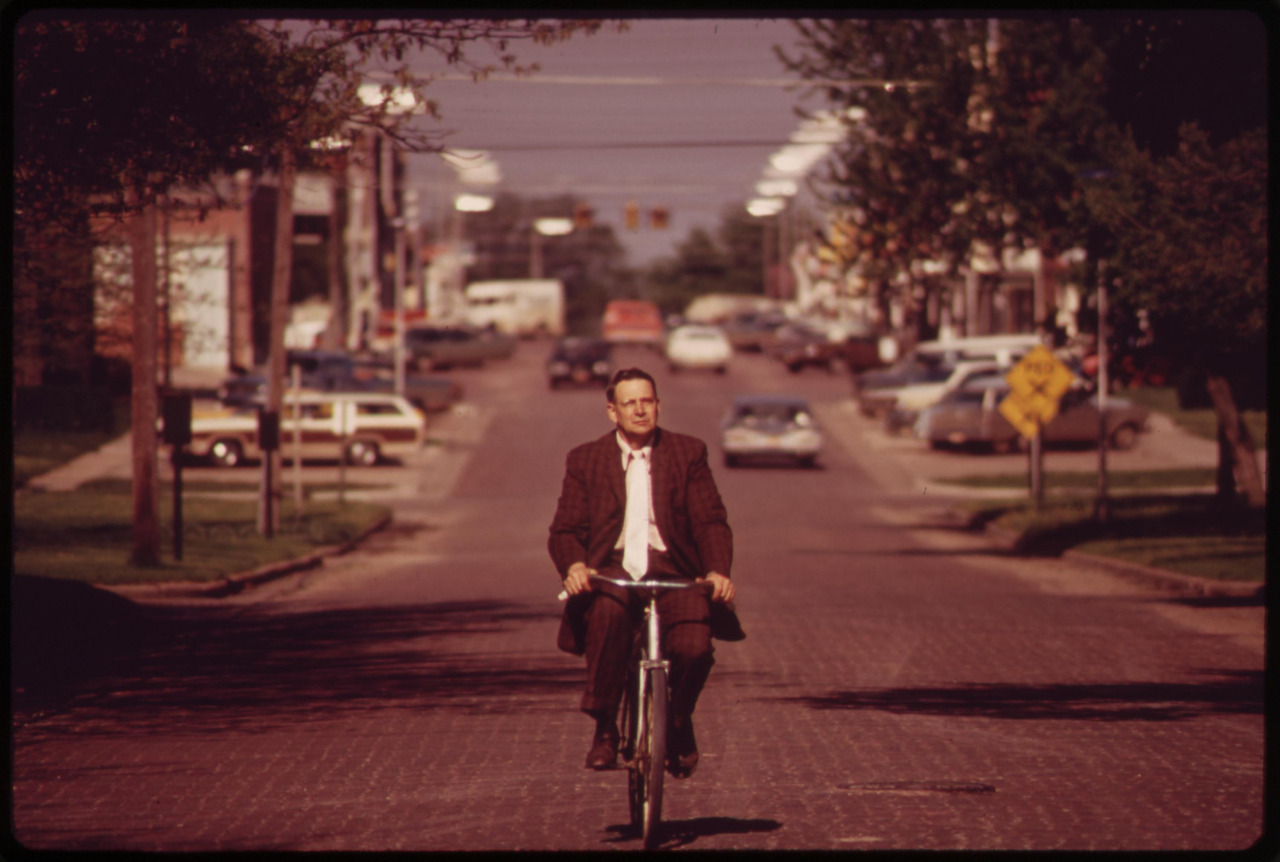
[335, 371]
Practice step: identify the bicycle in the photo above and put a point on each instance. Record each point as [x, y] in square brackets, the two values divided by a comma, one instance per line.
[643, 744]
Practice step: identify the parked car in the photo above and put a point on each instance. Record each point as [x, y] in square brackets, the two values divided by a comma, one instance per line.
[877, 391]
[698, 346]
[862, 352]
[921, 364]
[361, 427]
[799, 345]
[752, 331]
[970, 415]
[770, 427]
[580, 361]
[910, 400]
[338, 371]
[435, 347]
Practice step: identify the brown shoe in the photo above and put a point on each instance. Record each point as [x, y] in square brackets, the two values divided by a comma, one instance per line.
[682, 755]
[604, 747]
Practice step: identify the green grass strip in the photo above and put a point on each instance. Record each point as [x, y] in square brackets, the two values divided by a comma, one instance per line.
[1191, 534]
[87, 535]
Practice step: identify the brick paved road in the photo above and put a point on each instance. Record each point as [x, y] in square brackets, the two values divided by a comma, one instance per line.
[902, 686]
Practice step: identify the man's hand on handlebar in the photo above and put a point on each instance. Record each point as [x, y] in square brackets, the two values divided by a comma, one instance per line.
[721, 587]
[576, 581]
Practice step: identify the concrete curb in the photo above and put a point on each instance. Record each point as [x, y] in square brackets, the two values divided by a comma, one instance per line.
[237, 583]
[1187, 585]
[1174, 582]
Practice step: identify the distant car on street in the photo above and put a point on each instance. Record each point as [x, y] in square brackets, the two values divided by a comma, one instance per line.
[580, 361]
[798, 345]
[437, 347]
[633, 321]
[770, 427]
[752, 331]
[970, 416]
[698, 346]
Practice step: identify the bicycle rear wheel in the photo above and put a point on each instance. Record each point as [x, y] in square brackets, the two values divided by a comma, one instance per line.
[654, 760]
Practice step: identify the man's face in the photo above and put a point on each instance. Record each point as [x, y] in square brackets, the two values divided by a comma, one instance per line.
[635, 410]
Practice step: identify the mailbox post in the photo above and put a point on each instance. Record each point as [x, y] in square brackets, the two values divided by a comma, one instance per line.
[268, 442]
[176, 412]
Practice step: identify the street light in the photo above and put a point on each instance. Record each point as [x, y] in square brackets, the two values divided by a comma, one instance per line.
[469, 203]
[545, 227]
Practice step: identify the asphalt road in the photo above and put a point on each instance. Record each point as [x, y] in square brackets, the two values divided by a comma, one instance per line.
[902, 686]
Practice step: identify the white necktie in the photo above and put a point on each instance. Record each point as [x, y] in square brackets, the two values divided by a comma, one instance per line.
[635, 545]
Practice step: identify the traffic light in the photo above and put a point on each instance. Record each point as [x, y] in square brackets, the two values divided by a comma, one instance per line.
[583, 216]
[658, 218]
[631, 215]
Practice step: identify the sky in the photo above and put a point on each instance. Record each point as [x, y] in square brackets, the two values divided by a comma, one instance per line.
[677, 113]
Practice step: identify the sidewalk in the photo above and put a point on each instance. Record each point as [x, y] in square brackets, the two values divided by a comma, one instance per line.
[906, 463]
[113, 460]
[909, 466]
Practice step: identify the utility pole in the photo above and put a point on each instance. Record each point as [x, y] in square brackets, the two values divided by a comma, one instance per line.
[1101, 509]
[146, 475]
[397, 352]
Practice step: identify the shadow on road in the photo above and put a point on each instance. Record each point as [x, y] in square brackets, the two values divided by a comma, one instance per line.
[130, 668]
[1233, 692]
[992, 551]
[679, 833]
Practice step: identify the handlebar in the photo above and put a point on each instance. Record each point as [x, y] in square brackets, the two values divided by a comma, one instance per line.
[641, 585]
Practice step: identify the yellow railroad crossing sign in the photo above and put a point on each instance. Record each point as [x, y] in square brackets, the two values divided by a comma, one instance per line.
[1020, 415]
[1038, 382]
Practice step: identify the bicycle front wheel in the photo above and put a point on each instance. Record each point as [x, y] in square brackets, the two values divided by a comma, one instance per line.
[654, 760]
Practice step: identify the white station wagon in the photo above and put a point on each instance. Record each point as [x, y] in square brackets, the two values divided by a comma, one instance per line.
[366, 426]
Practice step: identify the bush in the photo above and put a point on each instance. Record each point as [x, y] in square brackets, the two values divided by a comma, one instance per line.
[64, 408]
[1249, 390]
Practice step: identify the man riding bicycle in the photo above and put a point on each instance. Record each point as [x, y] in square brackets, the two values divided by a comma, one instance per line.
[641, 502]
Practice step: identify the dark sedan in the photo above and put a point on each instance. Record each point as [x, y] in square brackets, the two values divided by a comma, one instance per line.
[580, 361]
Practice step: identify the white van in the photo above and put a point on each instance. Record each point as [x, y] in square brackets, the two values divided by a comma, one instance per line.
[1004, 349]
[519, 306]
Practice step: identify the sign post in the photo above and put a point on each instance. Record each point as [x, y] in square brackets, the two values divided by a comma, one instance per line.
[1037, 383]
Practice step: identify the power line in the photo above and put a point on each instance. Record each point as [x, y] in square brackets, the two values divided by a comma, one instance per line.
[627, 145]
[660, 81]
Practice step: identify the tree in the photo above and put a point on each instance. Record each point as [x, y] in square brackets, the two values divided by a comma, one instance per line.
[997, 132]
[1188, 244]
[961, 132]
[109, 113]
[730, 261]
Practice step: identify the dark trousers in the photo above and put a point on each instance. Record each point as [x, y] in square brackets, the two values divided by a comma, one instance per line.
[615, 617]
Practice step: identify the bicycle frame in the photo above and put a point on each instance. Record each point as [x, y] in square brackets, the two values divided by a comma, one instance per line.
[644, 732]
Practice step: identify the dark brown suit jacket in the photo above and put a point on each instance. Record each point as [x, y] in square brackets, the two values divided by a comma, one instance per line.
[687, 508]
